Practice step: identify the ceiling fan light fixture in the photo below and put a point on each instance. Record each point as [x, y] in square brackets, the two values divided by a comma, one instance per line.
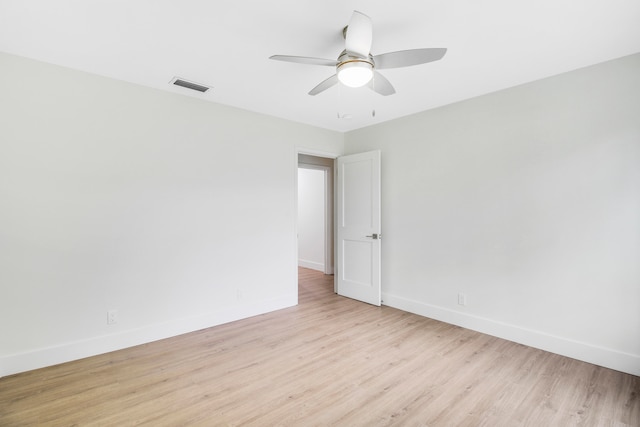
[355, 73]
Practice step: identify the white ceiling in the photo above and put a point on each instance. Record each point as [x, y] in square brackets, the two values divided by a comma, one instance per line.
[493, 44]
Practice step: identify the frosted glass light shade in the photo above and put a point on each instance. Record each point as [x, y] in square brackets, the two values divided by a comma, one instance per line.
[355, 73]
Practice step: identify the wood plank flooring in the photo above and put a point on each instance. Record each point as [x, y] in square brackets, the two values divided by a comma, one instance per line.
[330, 361]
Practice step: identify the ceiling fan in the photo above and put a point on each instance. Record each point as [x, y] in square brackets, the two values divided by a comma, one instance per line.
[356, 66]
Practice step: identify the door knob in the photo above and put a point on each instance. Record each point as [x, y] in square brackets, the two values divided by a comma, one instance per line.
[375, 236]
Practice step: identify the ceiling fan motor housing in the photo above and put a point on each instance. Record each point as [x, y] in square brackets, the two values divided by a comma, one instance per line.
[354, 71]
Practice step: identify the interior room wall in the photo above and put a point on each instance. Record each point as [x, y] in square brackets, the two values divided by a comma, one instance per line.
[311, 218]
[527, 202]
[176, 212]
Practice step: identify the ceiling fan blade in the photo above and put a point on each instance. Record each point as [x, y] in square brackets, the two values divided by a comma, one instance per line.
[359, 35]
[326, 84]
[381, 85]
[305, 60]
[406, 58]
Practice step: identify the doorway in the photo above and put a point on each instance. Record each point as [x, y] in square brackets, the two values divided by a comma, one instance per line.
[315, 213]
[312, 218]
[357, 235]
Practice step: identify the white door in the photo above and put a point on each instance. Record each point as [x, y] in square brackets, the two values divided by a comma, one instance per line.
[358, 227]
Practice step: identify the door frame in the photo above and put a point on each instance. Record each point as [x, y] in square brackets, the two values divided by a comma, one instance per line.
[330, 233]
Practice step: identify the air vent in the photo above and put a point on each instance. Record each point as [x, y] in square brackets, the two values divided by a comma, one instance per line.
[189, 85]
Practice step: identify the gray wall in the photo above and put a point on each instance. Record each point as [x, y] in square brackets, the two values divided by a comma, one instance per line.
[178, 213]
[528, 202]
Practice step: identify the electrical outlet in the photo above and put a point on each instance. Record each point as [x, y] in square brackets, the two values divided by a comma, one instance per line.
[112, 317]
[462, 299]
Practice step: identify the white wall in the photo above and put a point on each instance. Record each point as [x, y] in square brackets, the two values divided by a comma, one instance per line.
[178, 213]
[311, 218]
[528, 201]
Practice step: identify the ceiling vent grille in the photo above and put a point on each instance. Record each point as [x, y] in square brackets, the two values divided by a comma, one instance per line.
[189, 85]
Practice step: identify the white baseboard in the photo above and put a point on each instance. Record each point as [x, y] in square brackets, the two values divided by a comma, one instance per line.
[311, 264]
[67, 352]
[608, 358]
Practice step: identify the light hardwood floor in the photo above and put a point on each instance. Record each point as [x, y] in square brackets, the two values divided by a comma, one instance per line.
[328, 361]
